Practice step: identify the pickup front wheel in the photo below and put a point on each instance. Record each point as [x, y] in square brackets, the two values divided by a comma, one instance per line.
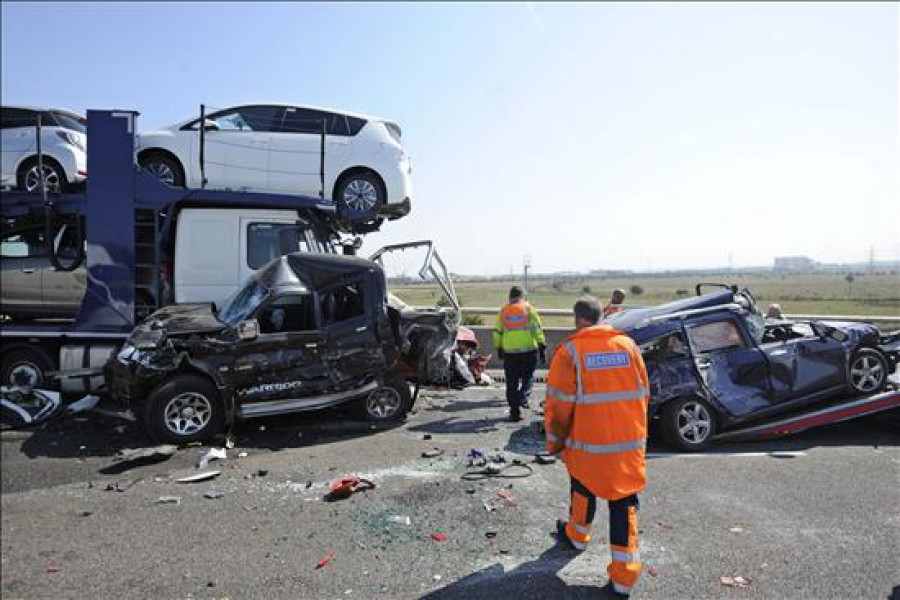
[185, 409]
[390, 401]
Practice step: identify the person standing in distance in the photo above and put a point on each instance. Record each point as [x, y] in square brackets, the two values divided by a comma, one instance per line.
[519, 340]
[616, 302]
[596, 416]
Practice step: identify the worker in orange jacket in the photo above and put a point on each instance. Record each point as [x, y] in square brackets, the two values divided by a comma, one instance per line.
[596, 416]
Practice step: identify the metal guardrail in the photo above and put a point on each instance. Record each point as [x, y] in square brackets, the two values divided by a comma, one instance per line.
[567, 312]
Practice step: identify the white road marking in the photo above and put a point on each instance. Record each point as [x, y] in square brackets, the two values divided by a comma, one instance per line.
[785, 454]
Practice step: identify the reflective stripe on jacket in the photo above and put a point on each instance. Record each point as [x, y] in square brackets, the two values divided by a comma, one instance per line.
[518, 328]
[596, 410]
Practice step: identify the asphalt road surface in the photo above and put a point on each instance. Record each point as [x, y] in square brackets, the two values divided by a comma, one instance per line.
[815, 516]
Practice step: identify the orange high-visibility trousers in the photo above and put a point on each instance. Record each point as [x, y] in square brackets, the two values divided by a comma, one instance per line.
[625, 564]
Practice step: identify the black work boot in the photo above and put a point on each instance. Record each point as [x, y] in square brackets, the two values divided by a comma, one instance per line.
[515, 415]
[562, 538]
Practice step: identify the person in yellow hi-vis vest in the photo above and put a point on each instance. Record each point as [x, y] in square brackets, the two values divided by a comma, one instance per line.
[596, 416]
[519, 342]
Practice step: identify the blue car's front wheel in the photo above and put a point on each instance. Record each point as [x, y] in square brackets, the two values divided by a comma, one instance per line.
[868, 371]
[688, 424]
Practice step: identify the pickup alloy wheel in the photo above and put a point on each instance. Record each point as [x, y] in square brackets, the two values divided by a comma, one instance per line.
[184, 409]
[868, 371]
[389, 402]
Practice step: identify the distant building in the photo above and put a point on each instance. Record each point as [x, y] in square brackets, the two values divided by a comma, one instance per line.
[794, 264]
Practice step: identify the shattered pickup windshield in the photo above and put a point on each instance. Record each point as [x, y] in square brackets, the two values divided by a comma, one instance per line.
[243, 302]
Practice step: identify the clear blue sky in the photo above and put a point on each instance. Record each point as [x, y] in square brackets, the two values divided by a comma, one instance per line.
[585, 135]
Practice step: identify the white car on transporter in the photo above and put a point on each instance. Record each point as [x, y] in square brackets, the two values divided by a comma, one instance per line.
[276, 148]
[63, 143]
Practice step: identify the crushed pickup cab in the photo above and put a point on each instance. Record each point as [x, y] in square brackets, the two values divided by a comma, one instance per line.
[306, 331]
[715, 363]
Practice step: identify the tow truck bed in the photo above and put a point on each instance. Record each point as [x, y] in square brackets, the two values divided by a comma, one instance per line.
[835, 412]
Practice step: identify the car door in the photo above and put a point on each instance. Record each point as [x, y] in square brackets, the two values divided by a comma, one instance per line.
[733, 369]
[63, 291]
[803, 361]
[352, 346]
[24, 259]
[17, 135]
[295, 157]
[236, 149]
[284, 362]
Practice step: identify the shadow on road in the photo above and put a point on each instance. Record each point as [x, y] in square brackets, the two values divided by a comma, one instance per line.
[534, 579]
[99, 434]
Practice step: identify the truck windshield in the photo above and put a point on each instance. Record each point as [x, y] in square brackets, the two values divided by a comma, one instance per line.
[243, 302]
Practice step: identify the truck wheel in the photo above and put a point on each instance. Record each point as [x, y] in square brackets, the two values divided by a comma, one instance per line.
[388, 402]
[186, 409]
[25, 367]
[688, 424]
[868, 371]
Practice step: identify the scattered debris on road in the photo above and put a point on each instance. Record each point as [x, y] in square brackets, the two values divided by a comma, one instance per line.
[86, 404]
[400, 519]
[169, 500]
[434, 453]
[211, 455]
[21, 407]
[736, 529]
[205, 476]
[346, 486]
[439, 537]
[212, 495]
[652, 572]
[738, 581]
[544, 458]
[134, 457]
[323, 562]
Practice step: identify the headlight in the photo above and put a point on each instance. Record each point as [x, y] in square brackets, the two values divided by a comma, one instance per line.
[127, 353]
[71, 139]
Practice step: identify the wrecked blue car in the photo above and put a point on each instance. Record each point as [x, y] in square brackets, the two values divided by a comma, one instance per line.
[715, 363]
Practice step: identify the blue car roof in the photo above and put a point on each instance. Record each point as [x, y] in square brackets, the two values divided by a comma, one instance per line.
[639, 324]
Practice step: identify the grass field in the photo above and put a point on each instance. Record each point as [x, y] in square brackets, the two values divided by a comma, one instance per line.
[826, 293]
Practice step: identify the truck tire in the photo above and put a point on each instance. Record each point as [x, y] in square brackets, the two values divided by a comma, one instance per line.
[868, 371]
[688, 424]
[182, 410]
[390, 401]
[25, 367]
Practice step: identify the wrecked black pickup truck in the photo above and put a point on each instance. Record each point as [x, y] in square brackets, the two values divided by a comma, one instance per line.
[307, 331]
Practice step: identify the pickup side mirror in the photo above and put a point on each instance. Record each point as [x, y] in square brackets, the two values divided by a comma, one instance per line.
[210, 125]
[248, 330]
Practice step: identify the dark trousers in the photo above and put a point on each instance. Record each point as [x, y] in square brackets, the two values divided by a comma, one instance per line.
[519, 370]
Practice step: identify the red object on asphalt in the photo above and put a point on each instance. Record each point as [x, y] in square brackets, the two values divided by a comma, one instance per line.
[652, 571]
[439, 537]
[52, 569]
[323, 562]
[346, 486]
